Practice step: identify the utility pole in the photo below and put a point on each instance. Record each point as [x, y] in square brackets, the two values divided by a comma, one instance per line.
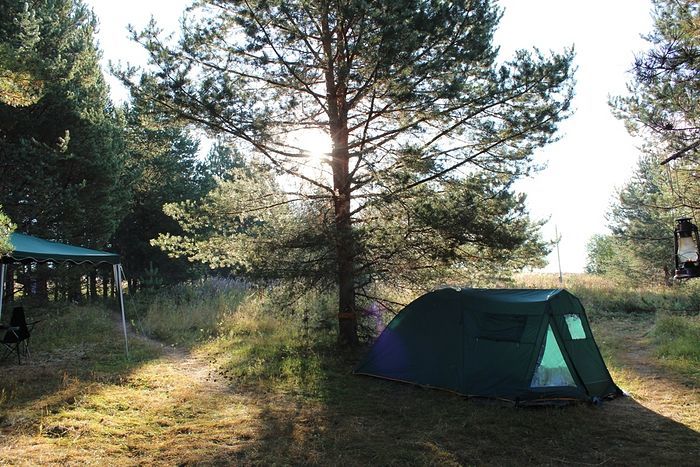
[557, 239]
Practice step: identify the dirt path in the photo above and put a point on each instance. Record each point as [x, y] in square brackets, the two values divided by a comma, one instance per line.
[195, 367]
[648, 382]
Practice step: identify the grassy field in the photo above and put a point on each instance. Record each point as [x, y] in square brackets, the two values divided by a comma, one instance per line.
[245, 383]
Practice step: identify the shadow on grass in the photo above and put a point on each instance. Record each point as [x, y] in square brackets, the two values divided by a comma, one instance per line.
[363, 421]
[73, 354]
[297, 405]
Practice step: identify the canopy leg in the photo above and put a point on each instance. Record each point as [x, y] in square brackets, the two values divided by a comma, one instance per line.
[3, 273]
[118, 280]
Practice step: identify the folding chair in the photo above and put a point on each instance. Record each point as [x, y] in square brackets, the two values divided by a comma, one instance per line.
[16, 333]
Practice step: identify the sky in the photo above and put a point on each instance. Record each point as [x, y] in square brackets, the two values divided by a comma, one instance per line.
[594, 156]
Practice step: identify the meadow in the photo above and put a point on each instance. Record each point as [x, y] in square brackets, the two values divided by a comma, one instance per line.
[221, 373]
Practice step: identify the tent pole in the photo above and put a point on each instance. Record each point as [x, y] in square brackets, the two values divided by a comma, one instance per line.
[118, 280]
[3, 272]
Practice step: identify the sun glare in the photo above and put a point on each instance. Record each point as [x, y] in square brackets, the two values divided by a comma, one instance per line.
[316, 143]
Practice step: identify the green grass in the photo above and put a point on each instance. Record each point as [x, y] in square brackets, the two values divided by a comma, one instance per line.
[188, 314]
[265, 385]
[677, 341]
[72, 347]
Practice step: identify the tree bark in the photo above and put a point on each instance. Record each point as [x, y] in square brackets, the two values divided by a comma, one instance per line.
[42, 281]
[345, 247]
[9, 284]
[336, 92]
[105, 284]
[75, 294]
[93, 285]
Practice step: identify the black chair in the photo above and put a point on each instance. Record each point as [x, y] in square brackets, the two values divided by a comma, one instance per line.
[16, 339]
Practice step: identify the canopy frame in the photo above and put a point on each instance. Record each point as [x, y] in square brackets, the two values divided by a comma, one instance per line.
[35, 250]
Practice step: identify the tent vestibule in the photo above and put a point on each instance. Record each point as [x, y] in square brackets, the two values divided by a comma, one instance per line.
[28, 249]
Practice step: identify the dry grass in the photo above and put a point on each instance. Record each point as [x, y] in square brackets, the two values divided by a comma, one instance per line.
[262, 394]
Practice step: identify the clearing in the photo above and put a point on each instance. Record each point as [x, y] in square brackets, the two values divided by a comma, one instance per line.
[178, 407]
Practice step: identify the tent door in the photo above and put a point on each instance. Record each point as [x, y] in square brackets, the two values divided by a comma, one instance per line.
[551, 369]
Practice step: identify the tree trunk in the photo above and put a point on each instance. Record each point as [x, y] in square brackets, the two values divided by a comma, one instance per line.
[93, 285]
[105, 284]
[42, 281]
[345, 245]
[345, 250]
[10, 284]
[336, 91]
[75, 293]
[23, 279]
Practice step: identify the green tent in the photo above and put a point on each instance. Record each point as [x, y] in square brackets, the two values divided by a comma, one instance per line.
[525, 346]
[28, 249]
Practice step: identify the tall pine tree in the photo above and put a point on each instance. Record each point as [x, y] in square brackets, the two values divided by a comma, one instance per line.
[162, 168]
[428, 129]
[62, 152]
[662, 106]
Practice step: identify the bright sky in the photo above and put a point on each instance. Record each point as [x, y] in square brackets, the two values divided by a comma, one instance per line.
[595, 154]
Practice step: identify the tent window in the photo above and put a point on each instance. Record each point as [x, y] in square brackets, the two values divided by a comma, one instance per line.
[551, 369]
[573, 322]
[501, 327]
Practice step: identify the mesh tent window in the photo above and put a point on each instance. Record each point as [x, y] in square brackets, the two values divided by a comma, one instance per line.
[573, 323]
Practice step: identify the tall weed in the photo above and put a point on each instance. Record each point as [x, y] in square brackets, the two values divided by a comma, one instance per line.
[601, 295]
[189, 313]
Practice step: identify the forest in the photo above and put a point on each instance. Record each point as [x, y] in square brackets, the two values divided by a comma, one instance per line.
[259, 268]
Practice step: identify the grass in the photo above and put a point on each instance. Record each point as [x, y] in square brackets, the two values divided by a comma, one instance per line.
[188, 314]
[677, 341]
[602, 295]
[261, 385]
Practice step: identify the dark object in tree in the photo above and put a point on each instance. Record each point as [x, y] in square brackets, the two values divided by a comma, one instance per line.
[17, 334]
[680, 153]
[687, 252]
[428, 128]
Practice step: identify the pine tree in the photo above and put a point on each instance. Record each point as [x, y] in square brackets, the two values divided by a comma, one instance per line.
[419, 110]
[162, 168]
[20, 73]
[662, 107]
[61, 153]
[663, 101]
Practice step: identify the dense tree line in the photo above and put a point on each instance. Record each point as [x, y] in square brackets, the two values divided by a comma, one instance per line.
[429, 127]
[73, 167]
[662, 107]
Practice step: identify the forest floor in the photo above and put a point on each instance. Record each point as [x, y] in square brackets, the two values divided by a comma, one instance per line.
[172, 406]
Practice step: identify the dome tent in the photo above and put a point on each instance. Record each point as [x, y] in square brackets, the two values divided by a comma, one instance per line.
[525, 346]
